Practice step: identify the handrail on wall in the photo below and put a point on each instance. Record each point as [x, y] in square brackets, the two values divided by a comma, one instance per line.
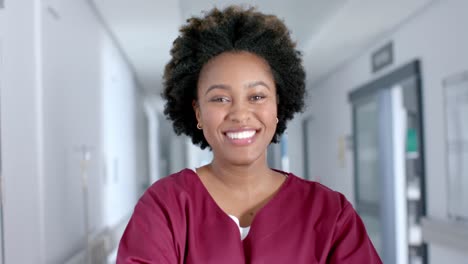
[447, 233]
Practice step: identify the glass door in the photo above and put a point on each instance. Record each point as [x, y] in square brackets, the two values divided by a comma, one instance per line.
[367, 168]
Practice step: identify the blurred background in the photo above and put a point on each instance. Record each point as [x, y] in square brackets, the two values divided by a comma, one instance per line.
[83, 134]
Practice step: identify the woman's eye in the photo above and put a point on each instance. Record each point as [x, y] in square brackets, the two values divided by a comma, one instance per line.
[257, 97]
[220, 99]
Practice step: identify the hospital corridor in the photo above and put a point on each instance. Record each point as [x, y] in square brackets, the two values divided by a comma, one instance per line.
[83, 132]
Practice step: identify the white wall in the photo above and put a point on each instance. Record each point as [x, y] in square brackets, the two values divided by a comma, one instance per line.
[91, 99]
[331, 120]
[65, 85]
[437, 35]
[2, 22]
[124, 135]
[174, 150]
[71, 99]
[20, 123]
[154, 154]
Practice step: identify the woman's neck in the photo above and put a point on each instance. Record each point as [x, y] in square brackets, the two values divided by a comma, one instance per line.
[245, 178]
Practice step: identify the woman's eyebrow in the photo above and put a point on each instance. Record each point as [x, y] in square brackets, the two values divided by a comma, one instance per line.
[218, 86]
[257, 83]
[227, 87]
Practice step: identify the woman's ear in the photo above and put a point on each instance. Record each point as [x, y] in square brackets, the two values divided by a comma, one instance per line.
[196, 109]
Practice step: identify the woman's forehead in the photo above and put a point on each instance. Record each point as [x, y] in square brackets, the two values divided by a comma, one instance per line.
[236, 68]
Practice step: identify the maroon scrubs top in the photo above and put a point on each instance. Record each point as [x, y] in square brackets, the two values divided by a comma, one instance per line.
[177, 221]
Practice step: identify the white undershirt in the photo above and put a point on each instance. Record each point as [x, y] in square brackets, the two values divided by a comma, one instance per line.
[244, 231]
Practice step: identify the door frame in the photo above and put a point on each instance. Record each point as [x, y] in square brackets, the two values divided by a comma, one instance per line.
[380, 89]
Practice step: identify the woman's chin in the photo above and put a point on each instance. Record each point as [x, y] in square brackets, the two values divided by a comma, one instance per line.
[245, 159]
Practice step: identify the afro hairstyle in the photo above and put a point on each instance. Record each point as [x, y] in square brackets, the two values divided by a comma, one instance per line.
[233, 29]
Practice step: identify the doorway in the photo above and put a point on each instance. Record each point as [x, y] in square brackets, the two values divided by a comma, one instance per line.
[389, 163]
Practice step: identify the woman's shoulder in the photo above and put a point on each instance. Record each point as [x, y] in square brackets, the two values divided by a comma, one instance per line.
[172, 185]
[177, 179]
[318, 193]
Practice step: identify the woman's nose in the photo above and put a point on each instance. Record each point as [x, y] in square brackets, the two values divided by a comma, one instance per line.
[239, 112]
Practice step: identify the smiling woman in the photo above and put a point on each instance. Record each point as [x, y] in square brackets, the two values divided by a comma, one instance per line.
[234, 80]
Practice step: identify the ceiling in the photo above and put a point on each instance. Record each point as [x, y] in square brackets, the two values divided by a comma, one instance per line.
[328, 32]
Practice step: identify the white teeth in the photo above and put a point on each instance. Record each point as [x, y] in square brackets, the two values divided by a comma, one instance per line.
[241, 135]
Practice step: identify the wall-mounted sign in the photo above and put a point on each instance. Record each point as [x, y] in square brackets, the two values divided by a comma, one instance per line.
[382, 57]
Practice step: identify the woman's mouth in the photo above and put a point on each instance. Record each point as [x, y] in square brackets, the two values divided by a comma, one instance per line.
[241, 135]
[241, 138]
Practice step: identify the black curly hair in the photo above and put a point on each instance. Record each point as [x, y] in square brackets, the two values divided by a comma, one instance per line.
[230, 30]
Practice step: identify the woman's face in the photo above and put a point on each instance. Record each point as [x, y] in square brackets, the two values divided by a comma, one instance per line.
[237, 107]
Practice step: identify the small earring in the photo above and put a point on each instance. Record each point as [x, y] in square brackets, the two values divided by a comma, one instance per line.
[277, 120]
[199, 126]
